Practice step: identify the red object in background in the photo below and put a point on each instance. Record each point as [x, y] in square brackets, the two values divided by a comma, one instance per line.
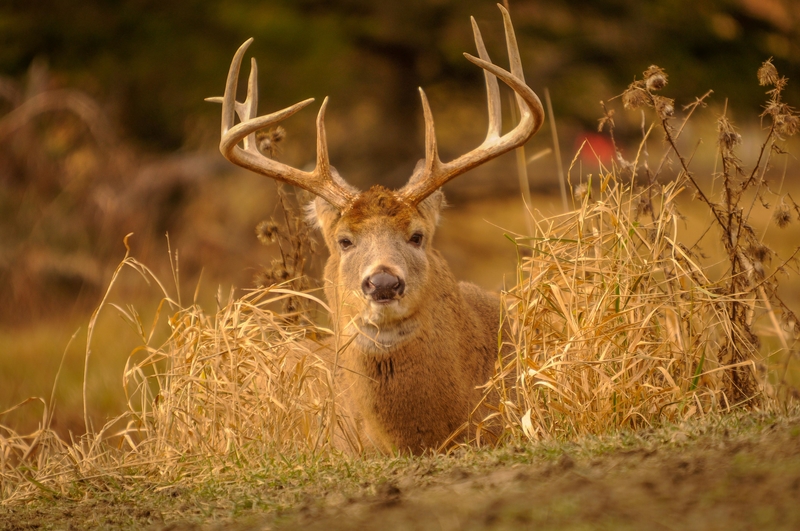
[597, 147]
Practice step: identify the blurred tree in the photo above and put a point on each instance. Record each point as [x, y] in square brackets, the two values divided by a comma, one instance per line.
[156, 61]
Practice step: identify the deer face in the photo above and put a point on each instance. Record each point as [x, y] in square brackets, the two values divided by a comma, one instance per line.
[379, 240]
[380, 250]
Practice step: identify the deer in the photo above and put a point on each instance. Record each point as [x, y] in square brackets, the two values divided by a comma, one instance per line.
[421, 344]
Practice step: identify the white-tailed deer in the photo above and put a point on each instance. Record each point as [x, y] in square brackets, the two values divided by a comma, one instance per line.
[423, 341]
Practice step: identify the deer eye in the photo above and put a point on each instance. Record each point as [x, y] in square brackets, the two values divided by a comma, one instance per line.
[416, 239]
[345, 243]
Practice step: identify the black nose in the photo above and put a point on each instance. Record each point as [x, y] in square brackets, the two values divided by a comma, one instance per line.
[383, 286]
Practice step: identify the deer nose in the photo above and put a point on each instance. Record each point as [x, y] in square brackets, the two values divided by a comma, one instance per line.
[383, 286]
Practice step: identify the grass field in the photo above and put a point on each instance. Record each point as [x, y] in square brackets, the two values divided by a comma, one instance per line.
[653, 381]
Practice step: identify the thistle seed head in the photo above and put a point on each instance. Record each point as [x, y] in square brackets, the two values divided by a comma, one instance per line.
[782, 215]
[580, 191]
[728, 137]
[767, 74]
[267, 277]
[665, 107]
[635, 96]
[758, 252]
[655, 78]
[787, 124]
[267, 232]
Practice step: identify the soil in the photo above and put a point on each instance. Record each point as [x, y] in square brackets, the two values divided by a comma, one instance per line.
[714, 479]
[712, 484]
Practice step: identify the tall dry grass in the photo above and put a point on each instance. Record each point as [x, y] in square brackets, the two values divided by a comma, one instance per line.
[243, 383]
[615, 322]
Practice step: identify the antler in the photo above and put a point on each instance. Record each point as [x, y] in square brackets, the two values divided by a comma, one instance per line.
[435, 172]
[320, 182]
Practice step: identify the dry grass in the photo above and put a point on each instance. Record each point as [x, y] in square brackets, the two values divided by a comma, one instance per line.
[246, 382]
[615, 322]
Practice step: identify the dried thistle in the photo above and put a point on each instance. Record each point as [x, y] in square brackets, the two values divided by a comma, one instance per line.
[665, 107]
[773, 108]
[785, 119]
[635, 96]
[655, 78]
[580, 191]
[780, 85]
[782, 215]
[728, 137]
[787, 123]
[767, 74]
[276, 274]
[280, 271]
[758, 252]
[267, 231]
[268, 142]
[262, 278]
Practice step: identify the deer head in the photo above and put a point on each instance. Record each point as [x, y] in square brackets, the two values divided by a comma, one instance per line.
[379, 239]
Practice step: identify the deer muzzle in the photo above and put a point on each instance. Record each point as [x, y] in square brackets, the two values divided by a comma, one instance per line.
[383, 287]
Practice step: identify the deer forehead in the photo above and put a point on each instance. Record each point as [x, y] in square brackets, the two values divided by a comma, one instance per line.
[381, 209]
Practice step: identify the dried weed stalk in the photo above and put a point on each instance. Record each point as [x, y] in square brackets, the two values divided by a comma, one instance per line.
[289, 231]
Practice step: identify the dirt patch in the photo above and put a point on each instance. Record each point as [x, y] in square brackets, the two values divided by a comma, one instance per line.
[712, 483]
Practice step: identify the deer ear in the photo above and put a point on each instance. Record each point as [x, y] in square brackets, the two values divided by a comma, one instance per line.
[321, 214]
[431, 207]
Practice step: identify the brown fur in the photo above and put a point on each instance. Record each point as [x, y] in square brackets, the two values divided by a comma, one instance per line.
[379, 202]
[411, 375]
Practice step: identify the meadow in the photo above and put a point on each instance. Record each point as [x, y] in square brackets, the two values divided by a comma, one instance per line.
[651, 307]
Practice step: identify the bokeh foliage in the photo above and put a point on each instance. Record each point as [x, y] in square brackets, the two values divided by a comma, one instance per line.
[156, 61]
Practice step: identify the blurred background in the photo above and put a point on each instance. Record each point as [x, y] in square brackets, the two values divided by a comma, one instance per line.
[104, 131]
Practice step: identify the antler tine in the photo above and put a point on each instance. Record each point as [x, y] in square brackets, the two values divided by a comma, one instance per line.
[319, 182]
[492, 88]
[436, 173]
[514, 60]
[249, 109]
[323, 162]
[432, 161]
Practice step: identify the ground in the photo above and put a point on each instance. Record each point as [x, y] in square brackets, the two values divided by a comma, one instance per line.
[734, 472]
